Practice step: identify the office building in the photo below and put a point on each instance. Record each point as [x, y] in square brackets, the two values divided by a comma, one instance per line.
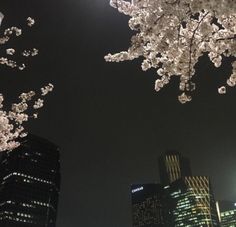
[227, 213]
[191, 203]
[173, 166]
[147, 205]
[29, 184]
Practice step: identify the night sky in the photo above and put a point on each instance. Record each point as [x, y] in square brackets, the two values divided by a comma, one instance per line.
[108, 120]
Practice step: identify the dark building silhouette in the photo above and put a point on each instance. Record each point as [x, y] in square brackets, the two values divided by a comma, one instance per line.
[147, 205]
[173, 166]
[30, 182]
[227, 213]
[191, 203]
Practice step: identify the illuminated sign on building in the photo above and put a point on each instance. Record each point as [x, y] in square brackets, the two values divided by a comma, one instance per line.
[137, 189]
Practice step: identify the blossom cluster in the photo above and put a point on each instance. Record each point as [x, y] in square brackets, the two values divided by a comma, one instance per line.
[12, 120]
[4, 39]
[171, 36]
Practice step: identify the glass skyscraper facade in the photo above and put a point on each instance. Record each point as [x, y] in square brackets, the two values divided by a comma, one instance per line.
[181, 200]
[147, 205]
[191, 203]
[227, 213]
[173, 166]
[30, 183]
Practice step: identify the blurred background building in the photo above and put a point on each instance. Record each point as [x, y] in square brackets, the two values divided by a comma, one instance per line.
[181, 200]
[191, 203]
[147, 205]
[227, 213]
[173, 166]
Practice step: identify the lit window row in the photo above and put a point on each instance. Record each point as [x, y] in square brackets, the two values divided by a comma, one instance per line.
[16, 219]
[27, 205]
[3, 213]
[27, 176]
[230, 212]
[40, 203]
[24, 215]
[8, 202]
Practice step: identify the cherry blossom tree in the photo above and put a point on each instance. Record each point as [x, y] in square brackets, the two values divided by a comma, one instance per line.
[171, 36]
[12, 120]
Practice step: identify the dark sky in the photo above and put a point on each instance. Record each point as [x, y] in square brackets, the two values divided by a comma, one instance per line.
[107, 119]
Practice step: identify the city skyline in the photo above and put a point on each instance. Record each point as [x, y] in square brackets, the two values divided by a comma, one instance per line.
[173, 158]
[180, 199]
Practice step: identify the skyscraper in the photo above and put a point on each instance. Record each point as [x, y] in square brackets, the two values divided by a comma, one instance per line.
[227, 213]
[173, 166]
[147, 205]
[30, 182]
[182, 200]
[191, 203]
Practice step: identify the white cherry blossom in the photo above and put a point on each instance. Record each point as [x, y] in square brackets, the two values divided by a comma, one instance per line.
[30, 21]
[5, 38]
[12, 120]
[171, 36]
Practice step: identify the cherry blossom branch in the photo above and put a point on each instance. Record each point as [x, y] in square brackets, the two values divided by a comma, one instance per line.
[7, 35]
[173, 35]
[191, 43]
[12, 120]
[228, 38]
